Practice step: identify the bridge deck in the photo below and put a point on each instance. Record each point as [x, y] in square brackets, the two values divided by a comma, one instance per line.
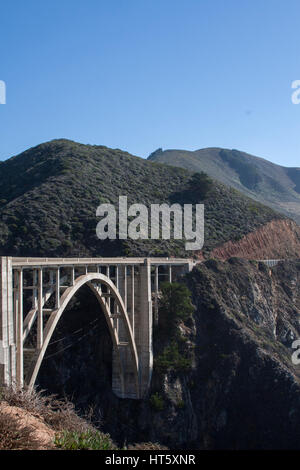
[30, 262]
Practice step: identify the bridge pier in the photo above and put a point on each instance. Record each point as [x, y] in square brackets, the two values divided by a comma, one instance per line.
[144, 329]
[135, 289]
[7, 324]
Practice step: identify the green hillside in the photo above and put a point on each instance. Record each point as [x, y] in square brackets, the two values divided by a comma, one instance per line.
[49, 195]
[271, 184]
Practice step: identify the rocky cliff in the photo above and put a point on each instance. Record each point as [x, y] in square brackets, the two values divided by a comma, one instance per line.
[247, 389]
[278, 239]
[238, 388]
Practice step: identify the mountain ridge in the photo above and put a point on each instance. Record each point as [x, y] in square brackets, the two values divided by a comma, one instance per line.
[269, 183]
[49, 195]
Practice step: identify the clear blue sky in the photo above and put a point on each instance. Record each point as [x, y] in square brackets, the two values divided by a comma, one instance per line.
[142, 74]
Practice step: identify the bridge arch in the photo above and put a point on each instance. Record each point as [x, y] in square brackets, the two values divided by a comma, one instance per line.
[95, 281]
[31, 283]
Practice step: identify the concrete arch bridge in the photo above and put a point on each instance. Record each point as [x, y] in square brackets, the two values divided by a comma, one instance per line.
[34, 293]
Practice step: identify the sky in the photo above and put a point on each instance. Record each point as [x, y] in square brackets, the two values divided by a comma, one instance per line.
[142, 74]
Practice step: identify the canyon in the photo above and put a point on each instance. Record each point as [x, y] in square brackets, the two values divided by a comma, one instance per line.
[223, 376]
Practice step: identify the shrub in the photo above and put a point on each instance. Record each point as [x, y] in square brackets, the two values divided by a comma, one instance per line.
[174, 304]
[180, 404]
[201, 185]
[173, 359]
[157, 402]
[58, 414]
[12, 437]
[147, 446]
[88, 440]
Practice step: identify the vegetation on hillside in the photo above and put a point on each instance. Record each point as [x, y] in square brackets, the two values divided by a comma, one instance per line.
[49, 196]
[173, 353]
[248, 174]
[26, 416]
[71, 432]
[262, 180]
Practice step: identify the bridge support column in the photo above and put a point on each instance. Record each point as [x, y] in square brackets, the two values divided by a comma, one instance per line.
[144, 334]
[135, 290]
[124, 379]
[7, 336]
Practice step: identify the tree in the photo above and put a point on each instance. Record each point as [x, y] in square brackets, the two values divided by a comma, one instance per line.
[174, 305]
[200, 185]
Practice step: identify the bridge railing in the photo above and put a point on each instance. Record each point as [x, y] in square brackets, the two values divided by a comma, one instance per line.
[271, 262]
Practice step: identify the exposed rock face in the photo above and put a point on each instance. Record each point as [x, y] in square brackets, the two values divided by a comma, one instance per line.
[242, 390]
[247, 392]
[278, 239]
